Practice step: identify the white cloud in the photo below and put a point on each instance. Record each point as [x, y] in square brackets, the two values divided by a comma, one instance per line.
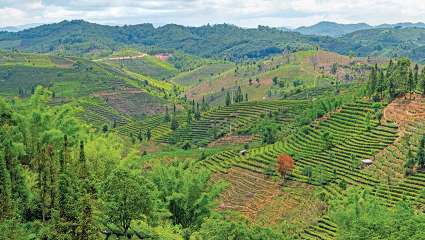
[246, 13]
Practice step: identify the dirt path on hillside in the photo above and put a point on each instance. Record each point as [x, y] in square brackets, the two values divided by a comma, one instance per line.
[231, 140]
[116, 93]
[121, 58]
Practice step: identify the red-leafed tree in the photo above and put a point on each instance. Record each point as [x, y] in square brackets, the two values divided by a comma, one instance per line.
[285, 164]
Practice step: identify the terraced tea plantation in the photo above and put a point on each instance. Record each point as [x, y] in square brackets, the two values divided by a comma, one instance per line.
[99, 114]
[230, 119]
[146, 65]
[201, 74]
[354, 137]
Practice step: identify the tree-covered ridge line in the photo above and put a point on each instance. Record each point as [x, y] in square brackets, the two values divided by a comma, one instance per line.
[82, 38]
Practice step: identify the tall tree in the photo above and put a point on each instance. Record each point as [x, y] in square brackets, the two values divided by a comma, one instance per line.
[148, 134]
[189, 117]
[372, 80]
[174, 123]
[410, 84]
[420, 157]
[82, 162]
[166, 115]
[380, 88]
[227, 99]
[422, 81]
[127, 198]
[416, 75]
[5, 190]
[186, 192]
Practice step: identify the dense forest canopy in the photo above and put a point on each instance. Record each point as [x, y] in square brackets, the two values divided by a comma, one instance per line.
[219, 41]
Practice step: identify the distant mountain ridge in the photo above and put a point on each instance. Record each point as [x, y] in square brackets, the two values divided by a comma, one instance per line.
[19, 27]
[78, 37]
[334, 29]
[222, 41]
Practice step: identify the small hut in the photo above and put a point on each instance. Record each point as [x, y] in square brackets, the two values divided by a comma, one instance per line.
[366, 163]
[243, 152]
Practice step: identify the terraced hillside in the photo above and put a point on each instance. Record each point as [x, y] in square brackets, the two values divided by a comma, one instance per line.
[389, 164]
[281, 75]
[98, 113]
[227, 120]
[409, 115]
[248, 192]
[134, 102]
[67, 77]
[203, 73]
[142, 63]
[351, 142]
[354, 138]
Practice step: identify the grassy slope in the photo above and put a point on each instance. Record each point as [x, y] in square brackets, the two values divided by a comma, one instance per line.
[203, 73]
[146, 65]
[299, 66]
[68, 76]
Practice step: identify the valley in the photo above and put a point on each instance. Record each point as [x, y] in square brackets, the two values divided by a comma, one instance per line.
[212, 132]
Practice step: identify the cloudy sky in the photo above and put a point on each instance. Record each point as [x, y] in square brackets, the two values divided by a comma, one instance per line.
[247, 13]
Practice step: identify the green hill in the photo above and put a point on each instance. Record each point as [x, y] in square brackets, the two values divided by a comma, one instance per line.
[83, 38]
[332, 29]
[276, 77]
[390, 42]
[142, 63]
[219, 41]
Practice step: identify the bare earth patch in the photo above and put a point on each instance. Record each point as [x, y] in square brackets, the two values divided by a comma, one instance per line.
[295, 208]
[405, 111]
[248, 192]
[232, 140]
[389, 163]
[264, 201]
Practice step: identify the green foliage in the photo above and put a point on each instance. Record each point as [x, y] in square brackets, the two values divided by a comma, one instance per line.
[320, 108]
[174, 124]
[220, 41]
[127, 197]
[327, 139]
[228, 100]
[5, 190]
[308, 172]
[185, 191]
[395, 79]
[420, 153]
[218, 228]
[359, 212]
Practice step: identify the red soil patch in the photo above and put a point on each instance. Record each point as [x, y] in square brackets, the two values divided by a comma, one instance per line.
[152, 147]
[163, 56]
[228, 81]
[327, 59]
[405, 111]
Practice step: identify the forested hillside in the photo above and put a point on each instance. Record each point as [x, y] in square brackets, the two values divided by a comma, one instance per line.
[386, 42]
[220, 41]
[84, 38]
